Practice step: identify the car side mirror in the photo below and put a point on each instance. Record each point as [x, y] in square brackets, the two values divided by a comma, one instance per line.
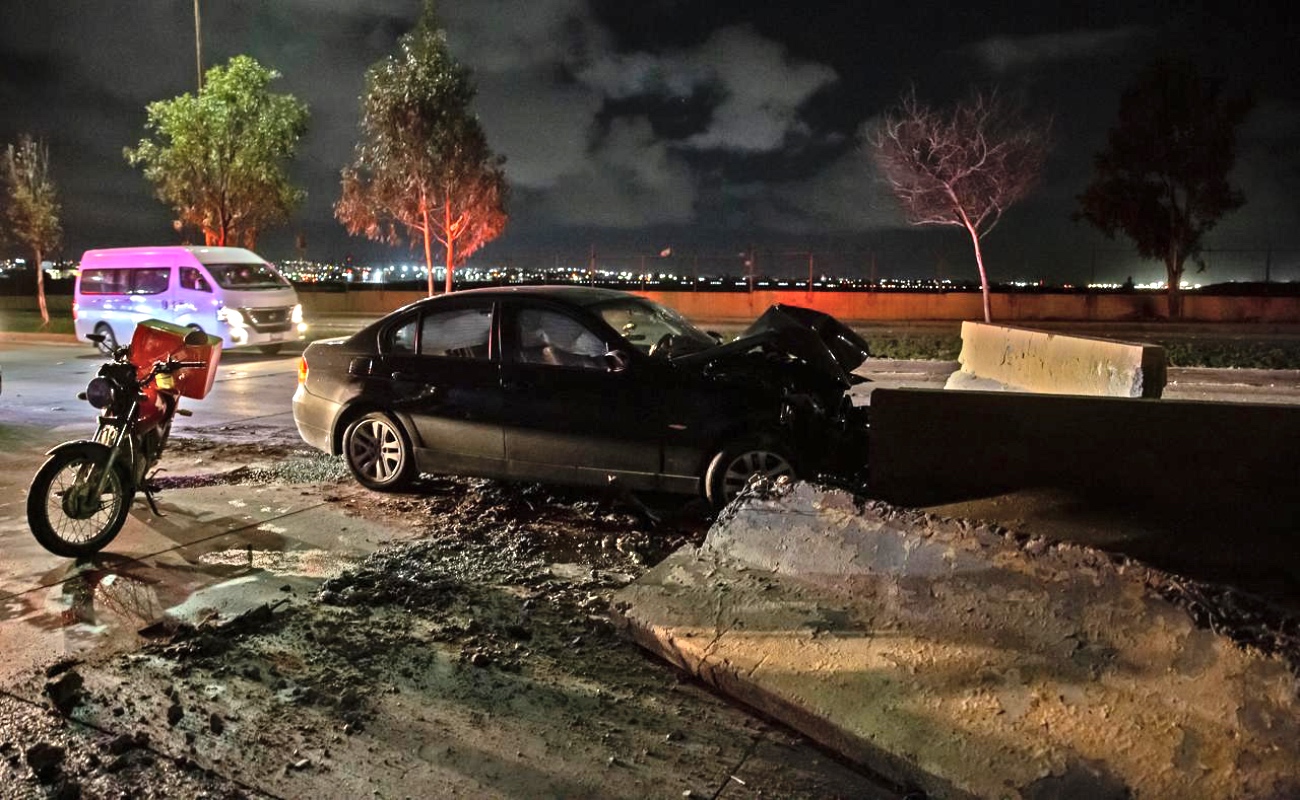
[616, 361]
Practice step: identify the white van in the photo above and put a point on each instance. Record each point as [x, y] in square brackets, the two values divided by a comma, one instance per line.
[225, 291]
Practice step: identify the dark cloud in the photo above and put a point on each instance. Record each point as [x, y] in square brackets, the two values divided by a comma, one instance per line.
[714, 126]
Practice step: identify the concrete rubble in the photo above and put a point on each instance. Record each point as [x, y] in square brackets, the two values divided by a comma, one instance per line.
[964, 661]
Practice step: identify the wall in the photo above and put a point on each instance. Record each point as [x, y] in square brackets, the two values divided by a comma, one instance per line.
[1007, 307]
[1195, 475]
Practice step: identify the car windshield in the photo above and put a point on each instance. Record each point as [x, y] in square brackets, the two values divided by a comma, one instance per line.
[645, 324]
[247, 276]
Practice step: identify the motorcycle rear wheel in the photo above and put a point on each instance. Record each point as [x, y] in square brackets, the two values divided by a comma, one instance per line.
[64, 514]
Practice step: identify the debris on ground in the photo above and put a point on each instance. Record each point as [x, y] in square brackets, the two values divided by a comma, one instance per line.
[480, 653]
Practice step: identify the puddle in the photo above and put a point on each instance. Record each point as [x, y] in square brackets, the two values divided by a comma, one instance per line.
[305, 563]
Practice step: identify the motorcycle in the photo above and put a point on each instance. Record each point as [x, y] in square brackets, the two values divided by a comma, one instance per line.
[79, 498]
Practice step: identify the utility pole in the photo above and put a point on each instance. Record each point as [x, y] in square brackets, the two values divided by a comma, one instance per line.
[198, 46]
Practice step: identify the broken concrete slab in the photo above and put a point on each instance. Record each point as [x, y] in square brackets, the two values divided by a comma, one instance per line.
[998, 357]
[951, 658]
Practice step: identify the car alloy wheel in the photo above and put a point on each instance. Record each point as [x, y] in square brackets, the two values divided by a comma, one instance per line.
[378, 453]
[732, 469]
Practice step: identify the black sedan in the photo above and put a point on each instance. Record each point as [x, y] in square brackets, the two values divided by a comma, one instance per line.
[583, 386]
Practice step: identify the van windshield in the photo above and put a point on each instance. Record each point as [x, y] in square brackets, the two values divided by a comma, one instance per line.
[247, 276]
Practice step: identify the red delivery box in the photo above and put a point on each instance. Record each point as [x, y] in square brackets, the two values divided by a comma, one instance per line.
[155, 340]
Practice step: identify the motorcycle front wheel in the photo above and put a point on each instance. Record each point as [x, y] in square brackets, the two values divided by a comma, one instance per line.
[65, 512]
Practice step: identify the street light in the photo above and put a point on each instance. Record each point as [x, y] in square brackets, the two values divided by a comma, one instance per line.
[198, 47]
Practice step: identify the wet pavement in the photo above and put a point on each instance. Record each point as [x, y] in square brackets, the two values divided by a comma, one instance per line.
[259, 526]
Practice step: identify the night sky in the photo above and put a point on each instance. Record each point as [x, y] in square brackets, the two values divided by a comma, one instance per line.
[704, 127]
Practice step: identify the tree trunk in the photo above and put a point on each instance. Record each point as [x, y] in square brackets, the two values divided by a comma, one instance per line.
[984, 278]
[428, 246]
[451, 241]
[1174, 294]
[1174, 279]
[40, 290]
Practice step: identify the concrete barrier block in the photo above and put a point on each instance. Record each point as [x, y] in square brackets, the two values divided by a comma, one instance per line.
[1021, 359]
[962, 662]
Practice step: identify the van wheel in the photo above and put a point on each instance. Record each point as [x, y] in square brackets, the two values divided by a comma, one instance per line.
[270, 349]
[110, 341]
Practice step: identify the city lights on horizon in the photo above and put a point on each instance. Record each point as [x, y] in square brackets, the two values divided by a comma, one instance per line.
[408, 274]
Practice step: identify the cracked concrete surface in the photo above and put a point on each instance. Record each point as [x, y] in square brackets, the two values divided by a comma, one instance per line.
[951, 657]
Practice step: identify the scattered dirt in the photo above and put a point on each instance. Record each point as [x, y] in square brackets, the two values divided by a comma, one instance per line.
[479, 657]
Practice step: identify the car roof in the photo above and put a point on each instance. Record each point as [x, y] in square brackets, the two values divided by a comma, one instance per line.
[576, 295]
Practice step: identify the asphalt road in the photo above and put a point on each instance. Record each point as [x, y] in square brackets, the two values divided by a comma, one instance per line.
[229, 548]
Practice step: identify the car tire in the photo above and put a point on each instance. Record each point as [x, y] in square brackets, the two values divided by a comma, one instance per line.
[271, 349]
[110, 339]
[378, 453]
[730, 470]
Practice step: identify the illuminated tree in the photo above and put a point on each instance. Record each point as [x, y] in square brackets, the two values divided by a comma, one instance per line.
[1163, 178]
[31, 211]
[422, 170]
[962, 166]
[219, 158]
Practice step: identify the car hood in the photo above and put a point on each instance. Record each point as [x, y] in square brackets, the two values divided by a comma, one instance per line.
[817, 339]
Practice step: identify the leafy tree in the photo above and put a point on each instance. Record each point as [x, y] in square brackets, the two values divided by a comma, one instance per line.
[422, 170]
[1163, 178]
[962, 166]
[219, 158]
[32, 209]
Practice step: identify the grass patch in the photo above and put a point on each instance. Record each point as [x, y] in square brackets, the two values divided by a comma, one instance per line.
[1264, 352]
[914, 346]
[30, 322]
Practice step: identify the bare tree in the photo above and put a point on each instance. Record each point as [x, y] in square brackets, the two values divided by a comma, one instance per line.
[962, 166]
[32, 209]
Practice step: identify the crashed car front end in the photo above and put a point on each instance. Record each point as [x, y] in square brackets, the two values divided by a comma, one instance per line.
[806, 359]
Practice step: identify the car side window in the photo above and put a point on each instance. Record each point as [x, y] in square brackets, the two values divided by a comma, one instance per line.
[403, 339]
[463, 333]
[549, 337]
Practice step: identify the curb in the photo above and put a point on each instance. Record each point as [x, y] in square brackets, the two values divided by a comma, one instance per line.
[38, 338]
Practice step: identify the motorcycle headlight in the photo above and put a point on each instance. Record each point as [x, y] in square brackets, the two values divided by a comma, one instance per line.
[101, 392]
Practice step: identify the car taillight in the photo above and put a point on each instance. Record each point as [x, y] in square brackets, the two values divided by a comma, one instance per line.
[302, 370]
[74, 312]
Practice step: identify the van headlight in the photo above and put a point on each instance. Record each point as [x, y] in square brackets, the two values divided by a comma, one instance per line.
[231, 317]
[295, 316]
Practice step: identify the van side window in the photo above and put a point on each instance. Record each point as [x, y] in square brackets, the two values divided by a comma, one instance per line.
[99, 281]
[192, 278]
[142, 280]
[150, 280]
